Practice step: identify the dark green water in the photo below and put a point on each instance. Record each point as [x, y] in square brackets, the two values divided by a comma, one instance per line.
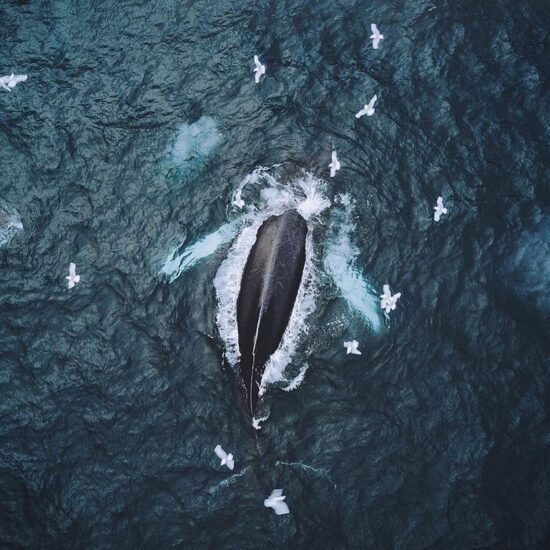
[138, 123]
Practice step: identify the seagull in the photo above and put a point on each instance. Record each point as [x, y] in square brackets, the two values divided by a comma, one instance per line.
[73, 278]
[259, 69]
[275, 501]
[227, 459]
[352, 347]
[439, 209]
[334, 165]
[388, 302]
[368, 109]
[9, 82]
[376, 36]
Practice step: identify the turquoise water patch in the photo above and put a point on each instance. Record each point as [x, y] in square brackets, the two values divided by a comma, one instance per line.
[10, 223]
[340, 262]
[178, 262]
[193, 145]
[353, 285]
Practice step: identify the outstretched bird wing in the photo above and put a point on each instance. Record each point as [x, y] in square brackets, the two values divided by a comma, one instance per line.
[230, 461]
[72, 269]
[275, 501]
[220, 452]
[17, 79]
[280, 508]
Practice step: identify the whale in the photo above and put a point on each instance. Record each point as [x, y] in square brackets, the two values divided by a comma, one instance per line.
[269, 285]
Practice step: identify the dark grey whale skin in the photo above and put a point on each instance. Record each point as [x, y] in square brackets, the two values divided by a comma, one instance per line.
[269, 285]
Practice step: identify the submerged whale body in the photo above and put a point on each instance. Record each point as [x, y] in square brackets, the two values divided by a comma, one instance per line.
[269, 285]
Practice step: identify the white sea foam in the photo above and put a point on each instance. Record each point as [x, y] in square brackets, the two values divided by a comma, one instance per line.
[227, 283]
[257, 421]
[295, 382]
[255, 177]
[305, 194]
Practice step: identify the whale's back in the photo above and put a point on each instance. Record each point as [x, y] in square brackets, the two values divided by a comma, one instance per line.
[269, 286]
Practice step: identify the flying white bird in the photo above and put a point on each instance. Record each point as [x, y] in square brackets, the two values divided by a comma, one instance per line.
[226, 459]
[439, 209]
[376, 36]
[334, 165]
[259, 69]
[73, 278]
[352, 347]
[388, 302]
[368, 109]
[275, 501]
[9, 82]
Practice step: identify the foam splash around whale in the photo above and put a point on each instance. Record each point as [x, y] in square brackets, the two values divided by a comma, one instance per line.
[265, 194]
[306, 195]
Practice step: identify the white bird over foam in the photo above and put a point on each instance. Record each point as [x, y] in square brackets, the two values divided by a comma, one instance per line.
[439, 209]
[276, 501]
[10, 81]
[73, 278]
[389, 301]
[226, 459]
[334, 165]
[368, 109]
[259, 69]
[352, 347]
[376, 36]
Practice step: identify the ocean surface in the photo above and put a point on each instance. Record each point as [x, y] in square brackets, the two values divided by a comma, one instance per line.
[139, 127]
